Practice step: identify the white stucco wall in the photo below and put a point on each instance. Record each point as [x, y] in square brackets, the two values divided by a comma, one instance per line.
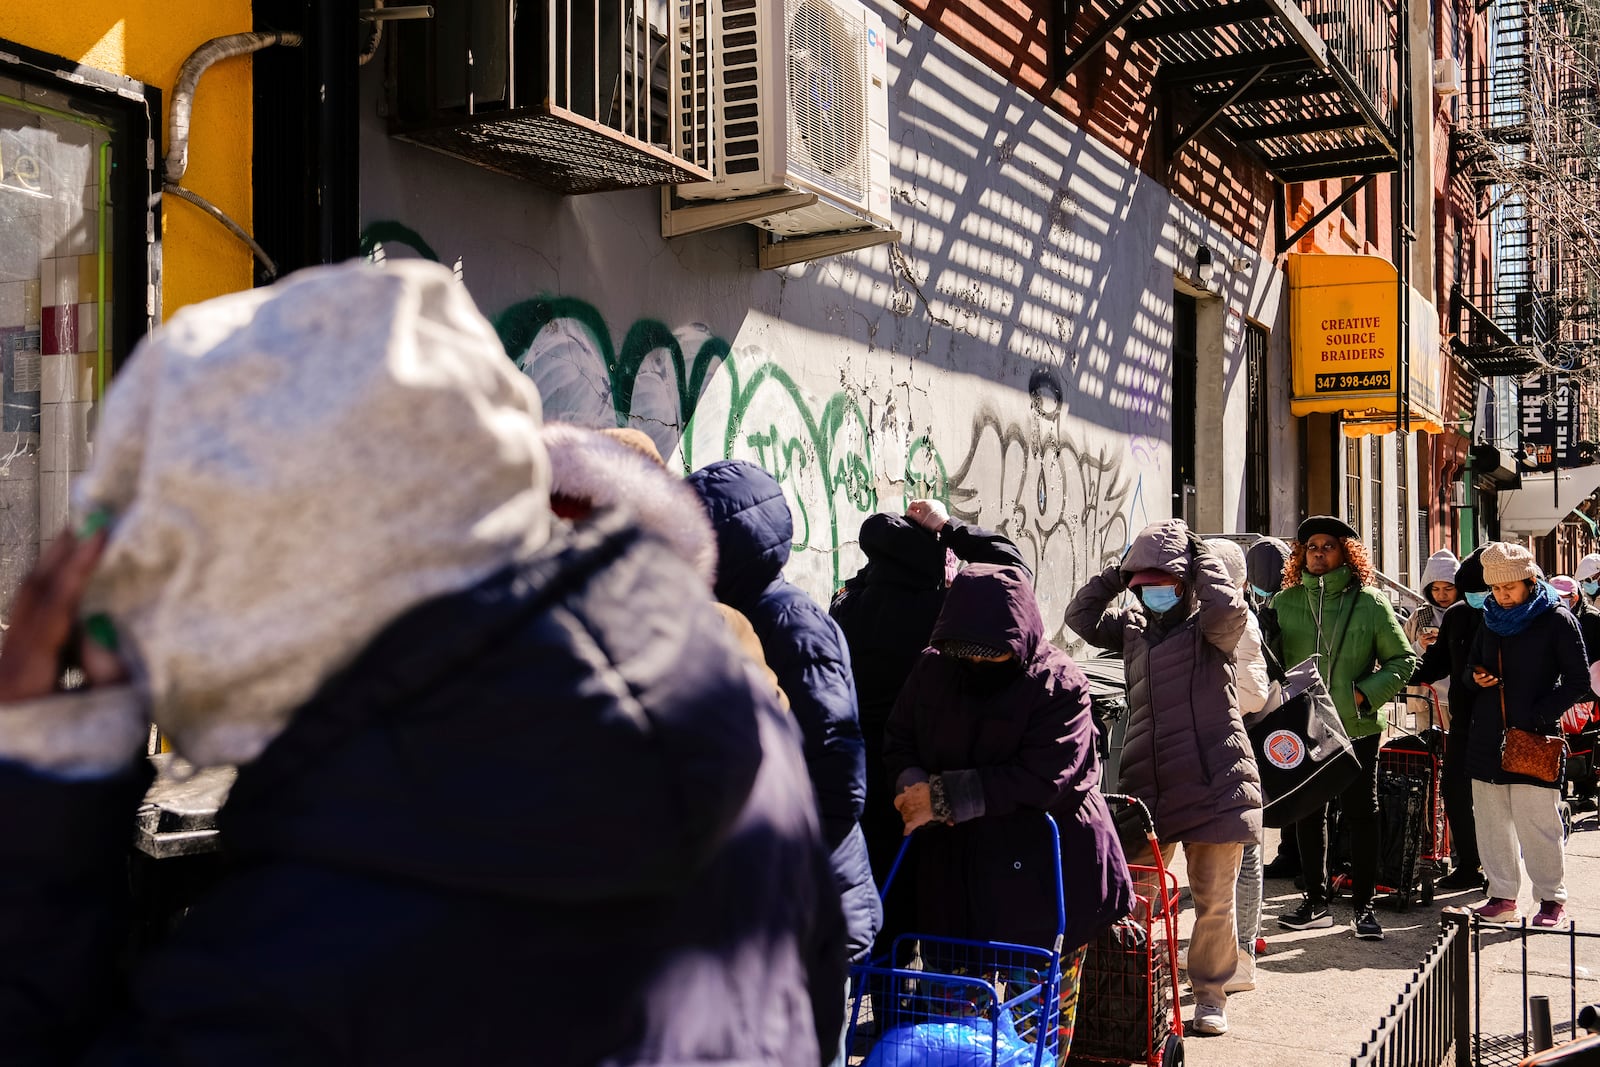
[1011, 354]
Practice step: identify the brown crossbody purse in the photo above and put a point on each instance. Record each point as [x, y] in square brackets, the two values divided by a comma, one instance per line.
[1526, 753]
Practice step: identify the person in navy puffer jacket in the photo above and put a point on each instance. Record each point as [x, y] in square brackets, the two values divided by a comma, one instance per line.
[507, 791]
[807, 651]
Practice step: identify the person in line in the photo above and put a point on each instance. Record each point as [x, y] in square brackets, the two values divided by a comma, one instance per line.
[1580, 718]
[1264, 562]
[1422, 630]
[1448, 659]
[887, 612]
[992, 728]
[1185, 753]
[806, 650]
[1528, 662]
[479, 749]
[1328, 609]
[1588, 574]
[1255, 688]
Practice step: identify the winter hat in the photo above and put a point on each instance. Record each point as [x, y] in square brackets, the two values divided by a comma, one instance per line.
[1232, 557]
[598, 470]
[289, 469]
[1327, 525]
[1469, 576]
[1564, 585]
[1441, 567]
[1152, 576]
[1504, 562]
[1264, 562]
[637, 440]
[1588, 568]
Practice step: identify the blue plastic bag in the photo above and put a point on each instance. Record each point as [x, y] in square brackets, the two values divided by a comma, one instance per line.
[954, 1043]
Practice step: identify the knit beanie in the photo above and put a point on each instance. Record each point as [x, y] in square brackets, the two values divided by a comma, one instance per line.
[1564, 585]
[1264, 562]
[289, 469]
[1504, 562]
[1232, 557]
[1441, 567]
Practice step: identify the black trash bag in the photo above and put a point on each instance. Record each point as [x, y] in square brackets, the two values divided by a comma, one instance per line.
[1301, 748]
[1114, 1019]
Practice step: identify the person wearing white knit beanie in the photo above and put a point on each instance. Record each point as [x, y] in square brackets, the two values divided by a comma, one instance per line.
[1422, 629]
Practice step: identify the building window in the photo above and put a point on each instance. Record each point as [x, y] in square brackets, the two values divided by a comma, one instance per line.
[1257, 473]
[75, 268]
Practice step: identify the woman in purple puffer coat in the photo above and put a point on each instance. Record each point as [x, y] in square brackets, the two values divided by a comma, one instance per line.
[991, 729]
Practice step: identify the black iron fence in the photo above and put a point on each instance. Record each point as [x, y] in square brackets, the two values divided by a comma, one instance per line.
[1430, 1015]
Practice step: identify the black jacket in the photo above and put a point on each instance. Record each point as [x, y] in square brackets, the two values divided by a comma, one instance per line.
[1543, 671]
[1450, 657]
[549, 819]
[887, 612]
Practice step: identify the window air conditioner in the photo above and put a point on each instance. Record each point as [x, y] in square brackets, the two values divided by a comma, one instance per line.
[802, 106]
[1446, 77]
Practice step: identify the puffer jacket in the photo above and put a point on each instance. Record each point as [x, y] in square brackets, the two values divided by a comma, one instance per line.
[1543, 671]
[562, 771]
[1373, 654]
[1009, 743]
[807, 651]
[1186, 753]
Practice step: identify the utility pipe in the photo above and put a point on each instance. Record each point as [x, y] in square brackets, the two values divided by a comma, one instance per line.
[199, 61]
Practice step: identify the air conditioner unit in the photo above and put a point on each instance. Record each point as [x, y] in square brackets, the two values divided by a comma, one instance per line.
[1446, 77]
[802, 107]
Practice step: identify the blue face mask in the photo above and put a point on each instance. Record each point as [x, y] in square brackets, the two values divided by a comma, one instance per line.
[1259, 592]
[1159, 598]
[1589, 588]
[1477, 599]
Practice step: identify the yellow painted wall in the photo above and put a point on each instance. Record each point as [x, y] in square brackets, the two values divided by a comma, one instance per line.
[148, 40]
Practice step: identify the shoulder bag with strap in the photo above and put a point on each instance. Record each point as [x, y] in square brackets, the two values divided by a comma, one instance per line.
[1524, 752]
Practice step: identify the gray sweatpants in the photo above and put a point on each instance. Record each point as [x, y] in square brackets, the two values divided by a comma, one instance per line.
[1520, 821]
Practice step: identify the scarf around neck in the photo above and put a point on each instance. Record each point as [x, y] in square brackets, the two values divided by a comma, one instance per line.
[1508, 621]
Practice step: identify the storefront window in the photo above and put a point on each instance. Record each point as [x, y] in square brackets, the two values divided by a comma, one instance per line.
[57, 215]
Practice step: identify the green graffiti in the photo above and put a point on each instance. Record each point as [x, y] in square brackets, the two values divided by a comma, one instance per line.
[794, 444]
[389, 232]
[925, 474]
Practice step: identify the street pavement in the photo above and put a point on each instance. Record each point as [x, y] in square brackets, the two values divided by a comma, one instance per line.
[1320, 993]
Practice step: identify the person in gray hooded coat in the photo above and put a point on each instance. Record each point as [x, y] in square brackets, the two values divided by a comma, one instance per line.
[1185, 754]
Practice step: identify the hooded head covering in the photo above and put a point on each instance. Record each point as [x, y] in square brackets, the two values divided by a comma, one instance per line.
[753, 525]
[1441, 567]
[1264, 562]
[1588, 568]
[1232, 557]
[994, 607]
[1469, 576]
[600, 470]
[290, 468]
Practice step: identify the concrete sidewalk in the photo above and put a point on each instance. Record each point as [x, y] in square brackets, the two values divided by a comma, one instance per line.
[1320, 993]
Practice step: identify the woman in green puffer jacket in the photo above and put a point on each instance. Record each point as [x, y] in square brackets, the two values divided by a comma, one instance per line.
[1328, 609]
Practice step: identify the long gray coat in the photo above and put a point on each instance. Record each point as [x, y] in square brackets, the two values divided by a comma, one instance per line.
[1185, 754]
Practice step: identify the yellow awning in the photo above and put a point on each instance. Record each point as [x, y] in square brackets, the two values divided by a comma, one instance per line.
[1344, 347]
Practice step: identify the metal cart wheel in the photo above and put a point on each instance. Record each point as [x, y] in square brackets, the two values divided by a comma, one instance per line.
[1172, 1051]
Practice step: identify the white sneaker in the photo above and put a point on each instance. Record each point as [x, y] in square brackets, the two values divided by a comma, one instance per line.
[1183, 958]
[1210, 1019]
[1244, 976]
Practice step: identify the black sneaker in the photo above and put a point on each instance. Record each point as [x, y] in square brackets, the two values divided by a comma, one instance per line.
[1459, 879]
[1308, 916]
[1367, 927]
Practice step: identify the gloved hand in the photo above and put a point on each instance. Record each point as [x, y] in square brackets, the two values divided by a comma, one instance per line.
[915, 804]
[929, 514]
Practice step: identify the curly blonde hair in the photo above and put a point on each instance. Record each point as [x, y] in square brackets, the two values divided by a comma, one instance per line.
[1355, 555]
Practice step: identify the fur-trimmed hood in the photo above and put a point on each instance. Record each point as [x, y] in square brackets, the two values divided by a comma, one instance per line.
[589, 466]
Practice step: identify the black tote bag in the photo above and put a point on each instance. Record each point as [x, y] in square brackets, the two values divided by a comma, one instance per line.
[1302, 751]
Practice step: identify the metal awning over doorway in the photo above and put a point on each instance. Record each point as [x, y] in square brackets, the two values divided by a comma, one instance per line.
[1307, 87]
[1545, 499]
